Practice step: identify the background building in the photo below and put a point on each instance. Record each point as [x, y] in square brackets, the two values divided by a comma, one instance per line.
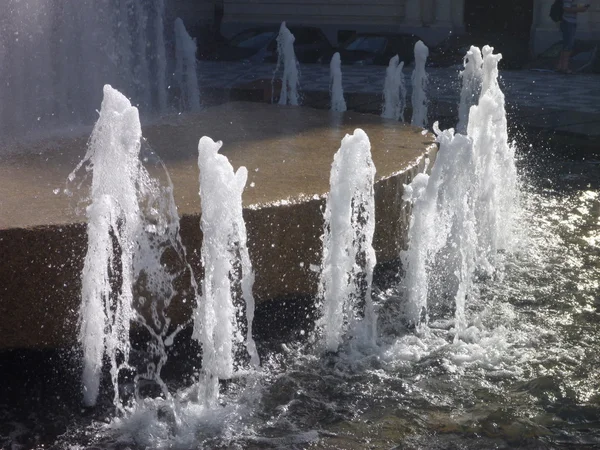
[432, 20]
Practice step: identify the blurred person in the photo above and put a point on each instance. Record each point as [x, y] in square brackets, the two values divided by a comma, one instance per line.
[568, 27]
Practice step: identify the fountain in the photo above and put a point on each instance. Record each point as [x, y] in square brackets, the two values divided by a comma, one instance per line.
[471, 196]
[394, 91]
[348, 254]
[185, 69]
[497, 174]
[419, 84]
[76, 47]
[445, 198]
[132, 224]
[471, 86]
[336, 89]
[227, 269]
[465, 348]
[454, 197]
[73, 49]
[113, 220]
[287, 57]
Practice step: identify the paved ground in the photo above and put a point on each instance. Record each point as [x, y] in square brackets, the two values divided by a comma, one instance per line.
[568, 103]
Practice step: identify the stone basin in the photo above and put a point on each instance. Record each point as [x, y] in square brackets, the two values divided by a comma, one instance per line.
[288, 152]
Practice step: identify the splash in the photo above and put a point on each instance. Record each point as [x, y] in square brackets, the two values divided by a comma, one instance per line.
[337, 91]
[155, 281]
[348, 255]
[394, 91]
[227, 269]
[287, 56]
[419, 86]
[185, 69]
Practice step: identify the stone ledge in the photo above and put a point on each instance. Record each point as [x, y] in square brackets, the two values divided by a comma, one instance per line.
[43, 248]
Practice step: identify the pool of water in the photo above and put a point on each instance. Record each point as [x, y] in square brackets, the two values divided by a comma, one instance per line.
[523, 375]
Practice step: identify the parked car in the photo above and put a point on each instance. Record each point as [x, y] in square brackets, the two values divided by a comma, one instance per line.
[376, 48]
[260, 45]
[452, 50]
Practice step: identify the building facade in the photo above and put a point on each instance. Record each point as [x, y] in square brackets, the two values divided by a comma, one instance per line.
[432, 20]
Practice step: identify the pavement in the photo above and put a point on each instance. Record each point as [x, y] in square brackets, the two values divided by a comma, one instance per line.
[544, 99]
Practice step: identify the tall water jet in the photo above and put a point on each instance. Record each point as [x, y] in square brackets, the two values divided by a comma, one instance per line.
[337, 91]
[113, 221]
[441, 234]
[419, 86]
[496, 204]
[472, 77]
[287, 56]
[56, 56]
[185, 68]
[394, 91]
[227, 270]
[463, 212]
[348, 255]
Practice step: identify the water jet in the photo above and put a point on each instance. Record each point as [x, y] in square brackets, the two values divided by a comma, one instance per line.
[490, 334]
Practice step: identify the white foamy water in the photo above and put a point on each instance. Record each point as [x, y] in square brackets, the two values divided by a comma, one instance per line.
[348, 255]
[442, 227]
[462, 224]
[184, 422]
[336, 89]
[394, 91]
[113, 218]
[472, 77]
[513, 327]
[185, 70]
[286, 56]
[496, 204]
[463, 212]
[513, 349]
[426, 372]
[227, 268]
[419, 86]
[196, 413]
[132, 223]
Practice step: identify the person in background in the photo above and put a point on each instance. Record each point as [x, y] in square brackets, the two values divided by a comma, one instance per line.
[568, 27]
